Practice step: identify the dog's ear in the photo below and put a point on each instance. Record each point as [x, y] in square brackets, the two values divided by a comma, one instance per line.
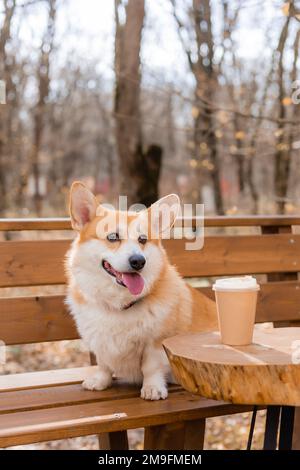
[163, 213]
[83, 205]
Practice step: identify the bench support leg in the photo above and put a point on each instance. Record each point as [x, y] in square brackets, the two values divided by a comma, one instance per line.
[113, 440]
[272, 424]
[296, 436]
[194, 435]
[279, 418]
[286, 428]
[188, 435]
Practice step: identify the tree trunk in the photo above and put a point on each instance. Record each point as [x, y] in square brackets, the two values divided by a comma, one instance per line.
[43, 78]
[134, 165]
[252, 186]
[202, 67]
[282, 153]
[216, 177]
[295, 111]
[240, 161]
[150, 171]
[5, 110]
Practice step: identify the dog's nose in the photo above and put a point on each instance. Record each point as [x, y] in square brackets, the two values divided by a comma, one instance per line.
[137, 262]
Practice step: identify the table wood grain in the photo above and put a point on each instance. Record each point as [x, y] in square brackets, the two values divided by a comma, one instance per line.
[263, 373]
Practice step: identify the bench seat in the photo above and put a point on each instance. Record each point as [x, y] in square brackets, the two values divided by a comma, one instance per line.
[42, 406]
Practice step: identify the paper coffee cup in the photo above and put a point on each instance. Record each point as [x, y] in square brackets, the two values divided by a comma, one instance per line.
[236, 300]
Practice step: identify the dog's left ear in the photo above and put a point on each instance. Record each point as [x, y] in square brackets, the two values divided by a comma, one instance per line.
[163, 213]
[83, 205]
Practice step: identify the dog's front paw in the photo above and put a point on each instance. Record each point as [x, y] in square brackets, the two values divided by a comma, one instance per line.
[154, 392]
[98, 381]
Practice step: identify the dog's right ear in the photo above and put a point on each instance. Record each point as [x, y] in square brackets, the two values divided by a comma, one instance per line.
[162, 214]
[83, 205]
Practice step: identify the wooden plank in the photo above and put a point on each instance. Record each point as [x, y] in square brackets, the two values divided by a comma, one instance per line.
[240, 221]
[26, 263]
[219, 221]
[176, 436]
[63, 395]
[46, 378]
[117, 440]
[165, 437]
[41, 262]
[286, 276]
[94, 418]
[194, 435]
[35, 319]
[252, 221]
[229, 255]
[13, 225]
[277, 301]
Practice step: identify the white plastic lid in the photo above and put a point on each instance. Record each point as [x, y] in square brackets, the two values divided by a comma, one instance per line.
[236, 284]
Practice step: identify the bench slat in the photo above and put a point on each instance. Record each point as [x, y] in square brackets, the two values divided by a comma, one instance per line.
[46, 318]
[35, 319]
[48, 397]
[44, 378]
[94, 418]
[28, 263]
[230, 255]
[25, 263]
[63, 395]
[218, 221]
[16, 225]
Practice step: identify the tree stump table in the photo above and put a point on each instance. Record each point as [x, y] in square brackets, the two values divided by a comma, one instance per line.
[265, 373]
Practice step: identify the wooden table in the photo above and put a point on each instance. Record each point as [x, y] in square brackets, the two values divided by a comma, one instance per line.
[263, 373]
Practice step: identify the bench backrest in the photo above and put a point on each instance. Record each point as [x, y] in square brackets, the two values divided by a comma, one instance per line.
[274, 250]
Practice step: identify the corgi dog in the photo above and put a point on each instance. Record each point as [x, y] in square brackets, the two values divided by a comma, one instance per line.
[124, 294]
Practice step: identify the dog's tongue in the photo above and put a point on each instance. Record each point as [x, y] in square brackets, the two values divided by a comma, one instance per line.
[134, 282]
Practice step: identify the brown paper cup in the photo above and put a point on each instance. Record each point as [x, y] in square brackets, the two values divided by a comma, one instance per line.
[236, 315]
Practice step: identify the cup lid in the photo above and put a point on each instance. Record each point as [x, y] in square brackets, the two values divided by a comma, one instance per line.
[236, 284]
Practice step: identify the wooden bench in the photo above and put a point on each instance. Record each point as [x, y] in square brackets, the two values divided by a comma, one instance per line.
[49, 405]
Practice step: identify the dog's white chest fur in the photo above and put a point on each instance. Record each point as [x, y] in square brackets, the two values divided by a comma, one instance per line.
[117, 338]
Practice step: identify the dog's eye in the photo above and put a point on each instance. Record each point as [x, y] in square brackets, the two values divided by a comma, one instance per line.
[142, 239]
[113, 237]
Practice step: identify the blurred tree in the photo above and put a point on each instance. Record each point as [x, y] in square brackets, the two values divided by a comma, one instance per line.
[5, 111]
[244, 134]
[234, 82]
[196, 35]
[282, 153]
[138, 169]
[39, 110]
